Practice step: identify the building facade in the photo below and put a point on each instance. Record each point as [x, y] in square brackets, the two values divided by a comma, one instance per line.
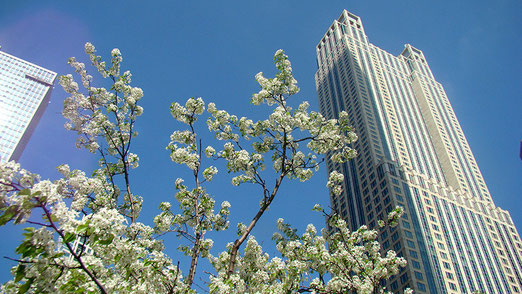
[25, 90]
[412, 152]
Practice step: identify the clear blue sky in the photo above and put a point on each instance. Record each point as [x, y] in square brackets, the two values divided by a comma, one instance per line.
[213, 49]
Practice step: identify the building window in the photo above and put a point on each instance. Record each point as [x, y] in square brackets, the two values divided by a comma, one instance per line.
[404, 278]
[394, 286]
[421, 287]
[406, 224]
[453, 286]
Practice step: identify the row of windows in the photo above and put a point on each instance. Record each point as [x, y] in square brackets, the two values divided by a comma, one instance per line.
[458, 142]
[11, 63]
[405, 107]
[483, 252]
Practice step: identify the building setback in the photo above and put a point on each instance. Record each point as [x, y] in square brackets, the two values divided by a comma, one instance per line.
[412, 152]
[25, 90]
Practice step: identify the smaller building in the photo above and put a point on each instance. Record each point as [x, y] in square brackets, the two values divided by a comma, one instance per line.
[25, 90]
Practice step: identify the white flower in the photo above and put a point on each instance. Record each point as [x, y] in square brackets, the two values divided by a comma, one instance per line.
[334, 182]
[114, 51]
[89, 48]
[63, 169]
[225, 205]
[184, 156]
[209, 173]
[210, 151]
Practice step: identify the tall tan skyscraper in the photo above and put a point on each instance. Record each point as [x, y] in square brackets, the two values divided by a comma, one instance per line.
[25, 90]
[413, 153]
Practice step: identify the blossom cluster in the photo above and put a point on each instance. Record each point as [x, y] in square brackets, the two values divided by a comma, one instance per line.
[104, 121]
[101, 114]
[197, 215]
[282, 133]
[284, 83]
[83, 241]
[292, 138]
[352, 258]
[90, 238]
[334, 182]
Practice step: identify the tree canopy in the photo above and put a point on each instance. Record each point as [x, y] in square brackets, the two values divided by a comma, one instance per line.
[86, 234]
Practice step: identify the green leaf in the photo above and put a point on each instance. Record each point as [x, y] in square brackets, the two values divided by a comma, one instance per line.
[58, 255]
[30, 232]
[107, 241]
[26, 249]
[20, 219]
[69, 237]
[25, 192]
[43, 199]
[25, 286]
[53, 218]
[82, 228]
[20, 273]
[28, 204]
[7, 216]
[21, 248]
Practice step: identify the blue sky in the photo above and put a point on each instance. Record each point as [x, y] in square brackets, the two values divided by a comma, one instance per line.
[213, 49]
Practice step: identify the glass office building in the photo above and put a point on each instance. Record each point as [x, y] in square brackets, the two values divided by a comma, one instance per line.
[412, 152]
[25, 90]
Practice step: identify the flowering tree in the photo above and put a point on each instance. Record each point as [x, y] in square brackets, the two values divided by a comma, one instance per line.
[90, 238]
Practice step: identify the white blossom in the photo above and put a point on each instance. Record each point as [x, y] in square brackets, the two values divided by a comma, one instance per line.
[210, 151]
[209, 173]
[90, 237]
[334, 182]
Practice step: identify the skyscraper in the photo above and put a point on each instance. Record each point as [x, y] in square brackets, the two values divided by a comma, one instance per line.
[412, 152]
[25, 90]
